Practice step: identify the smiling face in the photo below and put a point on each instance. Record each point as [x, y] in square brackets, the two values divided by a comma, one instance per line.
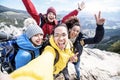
[37, 39]
[61, 36]
[74, 31]
[51, 16]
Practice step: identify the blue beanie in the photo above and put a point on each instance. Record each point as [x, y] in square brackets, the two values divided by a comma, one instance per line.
[32, 30]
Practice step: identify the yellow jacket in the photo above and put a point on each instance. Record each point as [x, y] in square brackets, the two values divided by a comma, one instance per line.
[42, 67]
[64, 55]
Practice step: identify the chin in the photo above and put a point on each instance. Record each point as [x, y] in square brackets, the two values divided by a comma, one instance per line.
[51, 20]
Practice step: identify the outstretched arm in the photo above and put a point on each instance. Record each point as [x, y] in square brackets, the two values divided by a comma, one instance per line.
[99, 30]
[31, 10]
[74, 12]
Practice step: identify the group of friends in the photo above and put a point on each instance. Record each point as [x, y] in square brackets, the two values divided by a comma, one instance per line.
[65, 36]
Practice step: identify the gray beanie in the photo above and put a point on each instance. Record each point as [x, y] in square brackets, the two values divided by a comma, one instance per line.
[32, 30]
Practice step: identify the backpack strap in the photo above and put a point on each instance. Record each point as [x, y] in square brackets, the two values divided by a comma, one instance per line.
[32, 54]
[57, 56]
[46, 43]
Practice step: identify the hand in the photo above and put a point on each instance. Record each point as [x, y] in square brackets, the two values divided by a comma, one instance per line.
[74, 58]
[81, 6]
[4, 76]
[99, 20]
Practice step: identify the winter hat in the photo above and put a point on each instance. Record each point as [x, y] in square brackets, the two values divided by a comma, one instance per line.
[32, 30]
[29, 21]
[51, 9]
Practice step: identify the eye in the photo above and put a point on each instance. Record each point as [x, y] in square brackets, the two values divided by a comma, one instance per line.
[64, 34]
[56, 35]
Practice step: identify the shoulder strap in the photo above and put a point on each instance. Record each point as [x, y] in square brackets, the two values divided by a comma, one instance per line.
[56, 52]
[32, 54]
[57, 56]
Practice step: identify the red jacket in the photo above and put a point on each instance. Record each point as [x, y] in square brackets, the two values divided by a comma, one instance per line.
[46, 26]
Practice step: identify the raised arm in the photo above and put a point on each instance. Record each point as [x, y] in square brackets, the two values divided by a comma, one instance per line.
[99, 30]
[81, 6]
[31, 10]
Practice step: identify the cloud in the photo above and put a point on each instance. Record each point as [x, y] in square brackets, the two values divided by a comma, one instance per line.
[103, 5]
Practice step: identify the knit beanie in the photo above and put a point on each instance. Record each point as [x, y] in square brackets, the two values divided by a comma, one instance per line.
[51, 9]
[32, 30]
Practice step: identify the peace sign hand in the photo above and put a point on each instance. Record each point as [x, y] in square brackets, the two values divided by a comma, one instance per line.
[99, 20]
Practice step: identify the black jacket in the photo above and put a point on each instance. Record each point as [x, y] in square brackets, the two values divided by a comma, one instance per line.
[96, 39]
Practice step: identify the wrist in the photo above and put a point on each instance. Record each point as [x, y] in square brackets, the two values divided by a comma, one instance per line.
[79, 9]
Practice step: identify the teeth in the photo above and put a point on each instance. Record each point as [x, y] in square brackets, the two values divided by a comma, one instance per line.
[61, 44]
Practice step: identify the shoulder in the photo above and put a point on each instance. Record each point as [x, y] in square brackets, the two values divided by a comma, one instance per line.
[70, 44]
[49, 49]
[23, 54]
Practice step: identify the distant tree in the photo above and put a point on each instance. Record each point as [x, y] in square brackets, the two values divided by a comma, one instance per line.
[115, 47]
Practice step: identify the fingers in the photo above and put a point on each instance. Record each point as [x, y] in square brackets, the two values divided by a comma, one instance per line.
[76, 54]
[74, 58]
[81, 5]
[99, 14]
[96, 17]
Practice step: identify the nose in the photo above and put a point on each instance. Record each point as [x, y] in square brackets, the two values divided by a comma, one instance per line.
[60, 37]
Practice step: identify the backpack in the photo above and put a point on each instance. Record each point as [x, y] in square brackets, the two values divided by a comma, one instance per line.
[8, 51]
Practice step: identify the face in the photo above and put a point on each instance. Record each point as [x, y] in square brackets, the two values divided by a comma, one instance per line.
[37, 39]
[74, 32]
[51, 17]
[61, 37]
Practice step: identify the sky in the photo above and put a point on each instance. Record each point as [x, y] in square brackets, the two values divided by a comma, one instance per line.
[92, 6]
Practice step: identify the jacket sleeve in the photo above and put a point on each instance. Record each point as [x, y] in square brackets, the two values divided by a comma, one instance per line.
[31, 10]
[73, 13]
[98, 36]
[40, 68]
[22, 58]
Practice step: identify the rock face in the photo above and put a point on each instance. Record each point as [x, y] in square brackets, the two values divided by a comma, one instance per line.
[10, 29]
[97, 65]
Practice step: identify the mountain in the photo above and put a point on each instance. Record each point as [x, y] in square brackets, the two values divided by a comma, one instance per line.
[5, 9]
[12, 16]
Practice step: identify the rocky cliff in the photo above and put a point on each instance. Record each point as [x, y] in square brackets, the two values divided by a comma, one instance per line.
[97, 65]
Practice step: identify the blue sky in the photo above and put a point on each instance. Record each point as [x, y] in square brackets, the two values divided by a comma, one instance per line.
[66, 5]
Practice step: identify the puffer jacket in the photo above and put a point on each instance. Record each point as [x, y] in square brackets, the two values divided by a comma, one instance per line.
[25, 47]
[42, 68]
[47, 26]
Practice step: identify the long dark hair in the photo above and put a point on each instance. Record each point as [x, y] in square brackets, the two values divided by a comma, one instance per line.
[72, 21]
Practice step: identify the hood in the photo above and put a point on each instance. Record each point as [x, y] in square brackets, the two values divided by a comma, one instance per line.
[53, 44]
[25, 43]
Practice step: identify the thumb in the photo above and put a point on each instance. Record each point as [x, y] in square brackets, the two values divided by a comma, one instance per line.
[76, 54]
